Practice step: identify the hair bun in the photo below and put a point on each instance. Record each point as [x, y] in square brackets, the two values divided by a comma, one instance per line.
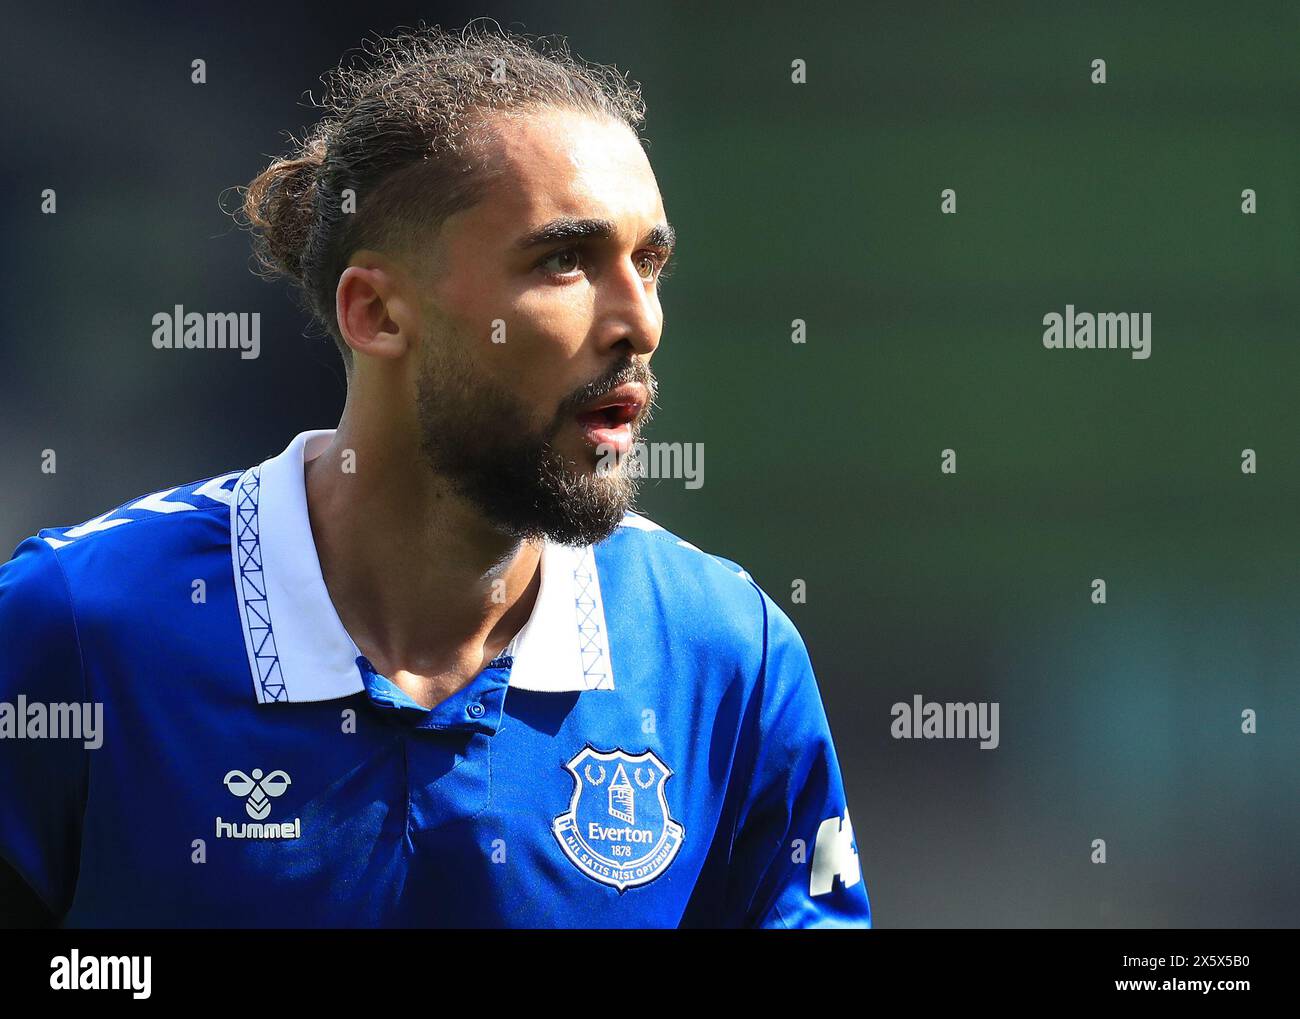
[280, 205]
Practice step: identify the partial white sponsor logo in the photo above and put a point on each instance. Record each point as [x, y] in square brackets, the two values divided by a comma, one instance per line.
[834, 856]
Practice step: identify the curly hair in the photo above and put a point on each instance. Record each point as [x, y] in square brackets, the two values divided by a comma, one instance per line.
[401, 124]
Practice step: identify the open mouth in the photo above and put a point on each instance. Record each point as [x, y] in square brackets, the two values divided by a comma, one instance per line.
[609, 417]
[608, 422]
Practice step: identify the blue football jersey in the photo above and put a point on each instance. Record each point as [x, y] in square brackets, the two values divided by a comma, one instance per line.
[189, 737]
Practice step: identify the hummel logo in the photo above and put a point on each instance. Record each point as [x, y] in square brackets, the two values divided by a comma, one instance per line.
[257, 791]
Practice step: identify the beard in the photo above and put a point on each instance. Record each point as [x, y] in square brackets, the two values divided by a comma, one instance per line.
[479, 437]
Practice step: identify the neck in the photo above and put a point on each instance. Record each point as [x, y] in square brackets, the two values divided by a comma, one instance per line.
[425, 586]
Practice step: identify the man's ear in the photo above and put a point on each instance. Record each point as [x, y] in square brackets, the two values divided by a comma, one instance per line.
[373, 314]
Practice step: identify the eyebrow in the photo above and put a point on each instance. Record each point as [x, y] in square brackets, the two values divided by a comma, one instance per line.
[568, 228]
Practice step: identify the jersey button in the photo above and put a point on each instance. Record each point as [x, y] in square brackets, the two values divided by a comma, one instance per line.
[475, 710]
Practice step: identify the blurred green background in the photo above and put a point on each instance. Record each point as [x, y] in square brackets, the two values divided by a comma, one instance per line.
[821, 202]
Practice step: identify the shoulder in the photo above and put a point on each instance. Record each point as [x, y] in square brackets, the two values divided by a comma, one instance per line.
[638, 534]
[178, 503]
[119, 552]
[698, 594]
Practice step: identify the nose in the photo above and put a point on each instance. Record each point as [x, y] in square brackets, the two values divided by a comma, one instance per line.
[628, 311]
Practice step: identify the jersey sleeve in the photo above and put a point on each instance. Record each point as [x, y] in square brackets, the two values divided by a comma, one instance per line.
[794, 852]
[42, 780]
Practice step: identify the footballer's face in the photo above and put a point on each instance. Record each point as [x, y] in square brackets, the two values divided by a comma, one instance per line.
[541, 315]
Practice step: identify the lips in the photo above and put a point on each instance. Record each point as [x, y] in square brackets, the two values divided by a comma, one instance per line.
[607, 420]
[617, 407]
[611, 415]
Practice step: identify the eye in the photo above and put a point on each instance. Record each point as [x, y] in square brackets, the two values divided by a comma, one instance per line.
[649, 264]
[561, 263]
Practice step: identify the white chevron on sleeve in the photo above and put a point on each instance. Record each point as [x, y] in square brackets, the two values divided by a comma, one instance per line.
[155, 503]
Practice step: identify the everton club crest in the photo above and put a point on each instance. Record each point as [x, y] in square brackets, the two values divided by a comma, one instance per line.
[617, 829]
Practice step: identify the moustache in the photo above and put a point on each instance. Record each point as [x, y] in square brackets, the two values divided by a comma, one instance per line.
[621, 374]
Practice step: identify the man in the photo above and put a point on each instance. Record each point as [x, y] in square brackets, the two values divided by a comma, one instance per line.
[428, 669]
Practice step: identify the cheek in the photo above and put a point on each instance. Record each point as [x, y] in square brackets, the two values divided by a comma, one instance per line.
[540, 382]
[558, 329]
[530, 370]
[543, 344]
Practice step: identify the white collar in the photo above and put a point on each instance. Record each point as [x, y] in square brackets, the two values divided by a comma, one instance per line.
[298, 649]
